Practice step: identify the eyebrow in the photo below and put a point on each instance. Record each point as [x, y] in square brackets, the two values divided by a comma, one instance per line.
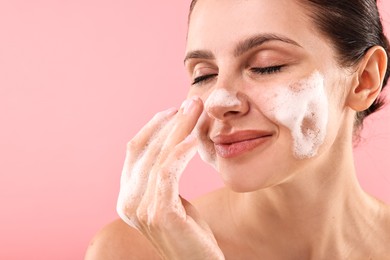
[243, 46]
[199, 54]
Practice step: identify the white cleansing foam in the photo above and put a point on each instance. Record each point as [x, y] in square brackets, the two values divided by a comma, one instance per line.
[221, 98]
[302, 107]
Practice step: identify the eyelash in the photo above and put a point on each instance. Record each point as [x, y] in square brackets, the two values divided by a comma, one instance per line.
[266, 70]
[202, 79]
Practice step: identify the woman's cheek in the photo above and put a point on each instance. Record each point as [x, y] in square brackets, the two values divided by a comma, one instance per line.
[302, 107]
[206, 149]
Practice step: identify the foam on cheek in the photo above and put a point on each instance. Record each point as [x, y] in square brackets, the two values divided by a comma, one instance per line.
[205, 151]
[221, 98]
[303, 108]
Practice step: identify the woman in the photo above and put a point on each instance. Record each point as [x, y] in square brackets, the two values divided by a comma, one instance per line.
[280, 89]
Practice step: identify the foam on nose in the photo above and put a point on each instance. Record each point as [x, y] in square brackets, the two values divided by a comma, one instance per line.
[221, 98]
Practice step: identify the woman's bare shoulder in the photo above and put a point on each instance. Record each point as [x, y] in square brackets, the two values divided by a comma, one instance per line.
[382, 234]
[119, 241]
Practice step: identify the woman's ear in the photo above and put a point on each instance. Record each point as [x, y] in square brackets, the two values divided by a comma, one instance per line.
[369, 79]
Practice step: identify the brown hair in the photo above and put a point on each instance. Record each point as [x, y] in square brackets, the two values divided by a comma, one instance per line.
[354, 26]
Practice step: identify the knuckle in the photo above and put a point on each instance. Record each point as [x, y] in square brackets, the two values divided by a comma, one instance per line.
[166, 179]
[159, 219]
[126, 209]
[142, 215]
[168, 219]
[126, 216]
[159, 115]
[132, 145]
[153, 219]
[179, 151]
[165, 150]
[165, 173]
[155, 223]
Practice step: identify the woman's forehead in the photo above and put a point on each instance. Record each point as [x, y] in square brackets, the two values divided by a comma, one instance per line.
[216, 23]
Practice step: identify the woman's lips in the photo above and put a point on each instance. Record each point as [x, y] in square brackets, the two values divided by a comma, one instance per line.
[228, 146]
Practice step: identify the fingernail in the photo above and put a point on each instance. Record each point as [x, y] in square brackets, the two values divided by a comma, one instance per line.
[195, 98]
[170, 111]
[186, 106]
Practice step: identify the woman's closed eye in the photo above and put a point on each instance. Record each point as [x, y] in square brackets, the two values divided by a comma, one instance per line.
[203, 79]
[267, 70]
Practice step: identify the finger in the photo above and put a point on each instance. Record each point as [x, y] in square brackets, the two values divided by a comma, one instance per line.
[185, 122]
[136, 146]
[136, 169]
[167, 215]
[134, 174]
[167, 184]
[161, 207]
[141, 198]
[134, 166]
[136, 177]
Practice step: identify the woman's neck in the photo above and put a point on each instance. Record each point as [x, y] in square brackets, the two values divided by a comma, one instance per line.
[322, 210]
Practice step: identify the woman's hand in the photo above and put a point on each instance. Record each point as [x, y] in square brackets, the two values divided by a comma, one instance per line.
[149, 194]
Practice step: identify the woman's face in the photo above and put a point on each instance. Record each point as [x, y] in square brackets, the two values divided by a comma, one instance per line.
[272, 89]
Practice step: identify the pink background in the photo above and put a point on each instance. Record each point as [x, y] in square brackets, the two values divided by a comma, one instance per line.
[78, 78]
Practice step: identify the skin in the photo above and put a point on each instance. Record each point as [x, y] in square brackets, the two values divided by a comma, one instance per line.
[293, 208]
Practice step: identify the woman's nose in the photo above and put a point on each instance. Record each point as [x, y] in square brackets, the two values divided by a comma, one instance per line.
[223, 104]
